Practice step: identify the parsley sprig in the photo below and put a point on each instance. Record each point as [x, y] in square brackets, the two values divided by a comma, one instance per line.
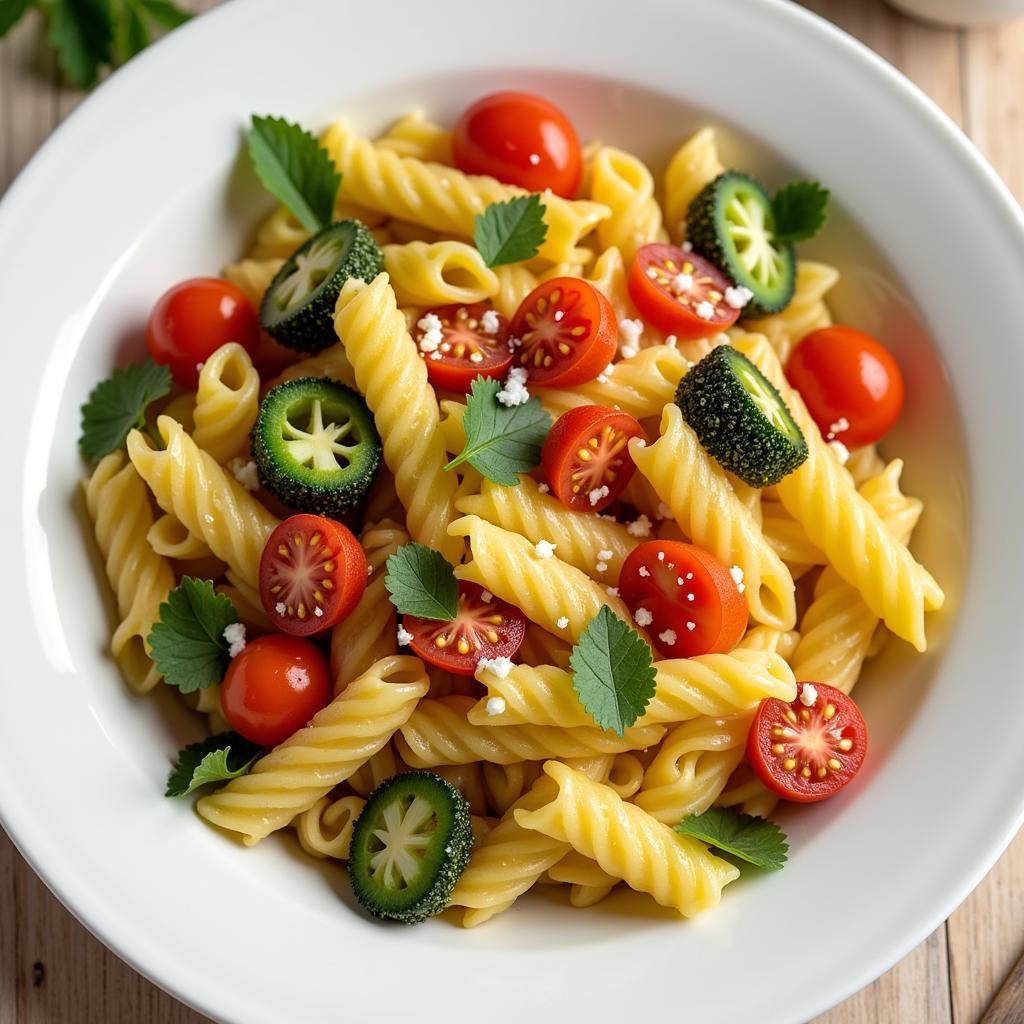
[420, 581]
[755, 840]
[800, 211]
[216, 759]
[510, 232]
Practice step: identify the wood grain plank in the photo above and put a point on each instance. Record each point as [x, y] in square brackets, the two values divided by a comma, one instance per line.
[1008, 1005]
[9, 859]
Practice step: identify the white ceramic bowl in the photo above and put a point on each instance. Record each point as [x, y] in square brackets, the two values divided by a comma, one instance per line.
[145, 185]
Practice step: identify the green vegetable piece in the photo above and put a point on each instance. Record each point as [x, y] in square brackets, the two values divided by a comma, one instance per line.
[11, 12]
[731, 222]
[801, 210]
[740, 418]
[613, 672]
[409, 847]
[187, 644]
[510, 232]
[131, 35]
[421, 582]
[216, 759]
[82, 33]
[295, 169]
[118, 404]
[164, 13]
[316, 446]
[298, 306]
[755, 840]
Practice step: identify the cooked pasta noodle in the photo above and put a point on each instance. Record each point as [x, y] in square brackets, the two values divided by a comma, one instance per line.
[253, 276]
[590, 883]
[332, 362]
[468, 779]
[693, 165]
[413, 135]
[250, 614]
[438, 274]
[369, 775]
[541, 648]
[227, 402]
[622, 183]
[325, 830]
[504, 784]
[169, 537]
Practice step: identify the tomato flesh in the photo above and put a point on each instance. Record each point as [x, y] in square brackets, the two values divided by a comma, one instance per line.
[566, 332]
[484, 627]
[810, 749]
[680, 292]
[520, 139]
[191, 320]
[312, 574]
[474, 342]
[274, 687]
[585, 458]
[686, 598]
[850, 383]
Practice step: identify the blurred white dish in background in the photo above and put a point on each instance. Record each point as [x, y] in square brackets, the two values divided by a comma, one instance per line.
[962, 12]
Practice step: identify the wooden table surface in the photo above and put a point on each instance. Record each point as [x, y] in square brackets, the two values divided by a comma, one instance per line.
[52, 970]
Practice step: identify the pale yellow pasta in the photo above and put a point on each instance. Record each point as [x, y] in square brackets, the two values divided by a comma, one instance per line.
[227, 402]
[540, 647]
[118, 505]
[413, 135]
[281, 234]
[820, 495]
[438, 273]
[704, 505]
[626, 775]
[468, 779]
[609, 277]
[750, 795]
[325, 830]
[864, 463]
[787, 537]
[249, 614]
[628, 843]
[439, 732]
[443, 198]
[181, 408]
[208, 501]
[693, 165]
[621, 182]
[253, 276]
[310, 763]
[764, 638]
[452, 431]
[548, 591]
[590, 883]
[504, 784]
[515, 282]
[390, 374]
[369, 775]
[332, 362]
[169, 537]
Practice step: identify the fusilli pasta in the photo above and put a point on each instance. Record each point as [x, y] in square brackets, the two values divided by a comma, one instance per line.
[227, 402]
[621, 182]
[438, 274]
[693, 165]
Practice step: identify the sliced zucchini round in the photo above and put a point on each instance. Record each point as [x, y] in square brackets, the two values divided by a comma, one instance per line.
[731, 223]
[409, 847]
[315, 445]
[740, 418]
[298, 306]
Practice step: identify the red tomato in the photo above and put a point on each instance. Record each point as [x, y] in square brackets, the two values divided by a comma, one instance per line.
[467, 351]
[586, 453]
[680, 292]
[694, 603]
[312, 574]
[193, 319]
[520, 139]
[568, 332]
[489, 628]
[274, 687]
[806, 752]
[851, 384]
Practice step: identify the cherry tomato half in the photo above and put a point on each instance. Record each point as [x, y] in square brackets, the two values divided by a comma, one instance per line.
[680, 292]
[474, 343]
[482, 628]
[193, 319]
[520, 139]
[810, 749]
[851, 384]
[274, 687]
[694, 604]
[568, 332]
[312, 574]
[585, 458]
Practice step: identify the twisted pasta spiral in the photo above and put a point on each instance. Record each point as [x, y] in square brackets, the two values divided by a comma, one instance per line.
[332, 362]
[504, 784]
[369, 775]
[227, 401]
[622, 183]
[539, 647]
[438, 274]
[693, 165]
[169, 537]
[325, 830]
[590, 883]
[413, 135]
[281, 234]
[253, 276]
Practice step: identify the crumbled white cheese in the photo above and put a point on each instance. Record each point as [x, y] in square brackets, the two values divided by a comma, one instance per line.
[235, 637]
[839, 426]
[842, 452]
[691, 626]
[602, 378]
[559, 313]
[245, 473]
[500, 666]
[640, 527]
[544, 548]
[486, 596]
[476, 357]
[562, 621]
[687, 246]
[430, 325]
[642, 617]
[597, 494]
[297, 676]
[514, 391]
[434, 355]
[612, 591]
[738, 297]
[199, 367]
[664, 512]
[644, 571]
[495, 706]
[737, 577]
[628, 351]
[318, 612]
[661, 556]
[668, 638]
[605, 555]
[808, 695]
[681, 283]
[280, 608]
[671, 341]
[630, 332]
[609, 370]
[543, 488]
[639, 442]
[705, 310]
[689, 575]
[404, 636]
[691, 597]
[490, 322]
[679, 581]
[601, 566]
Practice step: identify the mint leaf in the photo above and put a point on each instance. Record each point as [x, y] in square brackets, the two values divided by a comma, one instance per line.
[11, 12]
[510, 232]
[501, 441]
[216, 759]
[187, 644]
[131, 35]
[118, 404]
[296, 169]
[164, 13]
[800, 211]
[755, 840]
[82, 32]
[421, 582]
[613, 672]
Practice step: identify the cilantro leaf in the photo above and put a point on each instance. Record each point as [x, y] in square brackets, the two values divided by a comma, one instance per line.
[82, 32]
[510, 232]
[216, 759]
[295, 169]
[118, 405]
[165, 13]
[11, 12]
[421, 582]
[501, 441]
[613, 672]
[187, 644]
[800, 210]
[755, 840]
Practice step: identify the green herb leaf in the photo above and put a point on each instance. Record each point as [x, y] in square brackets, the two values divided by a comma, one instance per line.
[755, 840]
[613, 672]
[510, 232]
[501, 441]
[800, 211]
[118, 405]
[216, 759]
[187, 644]
[165, 13]
[82, 32]
[421, 582]
[296, 169]
[11, 12]
[131, 35]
